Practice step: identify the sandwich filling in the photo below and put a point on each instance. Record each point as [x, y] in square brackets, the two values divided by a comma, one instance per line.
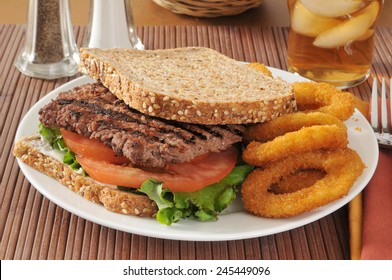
[93, 111]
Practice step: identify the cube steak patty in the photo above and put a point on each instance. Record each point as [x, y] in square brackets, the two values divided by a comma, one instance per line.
[94, 112]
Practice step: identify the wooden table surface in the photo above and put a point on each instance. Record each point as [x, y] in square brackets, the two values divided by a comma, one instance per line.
[32, 227]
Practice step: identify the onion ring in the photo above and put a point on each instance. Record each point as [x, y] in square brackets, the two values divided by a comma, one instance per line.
[304, 140]
[323, 97]
[261, 68]
[287, 123]
[342, 166]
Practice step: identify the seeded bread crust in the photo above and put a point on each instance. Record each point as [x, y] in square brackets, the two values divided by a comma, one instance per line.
[194, 84]
[112, 199]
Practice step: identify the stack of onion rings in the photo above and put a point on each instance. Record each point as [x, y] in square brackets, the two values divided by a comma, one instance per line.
[302, 159]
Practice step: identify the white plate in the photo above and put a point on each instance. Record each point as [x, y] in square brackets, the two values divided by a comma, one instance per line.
[233, 224]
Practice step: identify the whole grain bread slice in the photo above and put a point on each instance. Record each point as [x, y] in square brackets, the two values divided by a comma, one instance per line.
[193, 84]
[112, 199]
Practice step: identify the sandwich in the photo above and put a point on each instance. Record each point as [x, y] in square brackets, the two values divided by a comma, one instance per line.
[158, 134]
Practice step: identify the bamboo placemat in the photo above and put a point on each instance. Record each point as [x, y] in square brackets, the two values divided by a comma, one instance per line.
[32, 227]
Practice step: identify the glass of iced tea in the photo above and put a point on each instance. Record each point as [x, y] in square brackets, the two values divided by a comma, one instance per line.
[332, 40]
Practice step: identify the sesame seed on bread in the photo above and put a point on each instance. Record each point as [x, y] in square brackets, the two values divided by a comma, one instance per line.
[193, 84]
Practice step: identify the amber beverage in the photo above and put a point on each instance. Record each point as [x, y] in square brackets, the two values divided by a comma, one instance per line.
[332, 40]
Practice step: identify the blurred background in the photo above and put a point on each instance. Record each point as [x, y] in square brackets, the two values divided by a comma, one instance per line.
[146, 12]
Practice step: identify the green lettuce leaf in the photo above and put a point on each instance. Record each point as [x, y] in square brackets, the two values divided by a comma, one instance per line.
[202, 205]
[56, 141]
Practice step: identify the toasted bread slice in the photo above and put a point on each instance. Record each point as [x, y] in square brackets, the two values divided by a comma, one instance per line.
[194, 84]
[113, 199]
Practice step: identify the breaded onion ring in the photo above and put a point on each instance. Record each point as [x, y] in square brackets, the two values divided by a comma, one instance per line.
[304, 140]
[261, 68]
[342, 166]
[323, 97]
[287, 123]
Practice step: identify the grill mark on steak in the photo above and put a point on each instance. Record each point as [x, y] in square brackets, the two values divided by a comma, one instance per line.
[129, 118]
[188, 128]
[211, 130]
[91, 110]
[234, 129]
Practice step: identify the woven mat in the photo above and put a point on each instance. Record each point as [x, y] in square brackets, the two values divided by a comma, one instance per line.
[32, 227]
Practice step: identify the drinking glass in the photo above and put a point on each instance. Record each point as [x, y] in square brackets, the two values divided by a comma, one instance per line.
[332, 40]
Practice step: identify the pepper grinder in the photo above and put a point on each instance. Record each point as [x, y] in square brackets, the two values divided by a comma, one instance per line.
[111, 25]
[50, 50]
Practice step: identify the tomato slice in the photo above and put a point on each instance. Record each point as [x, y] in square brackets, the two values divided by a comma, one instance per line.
[90, 148]
[184, 177]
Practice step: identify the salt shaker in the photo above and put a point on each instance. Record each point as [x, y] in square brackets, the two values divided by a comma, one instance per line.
[50, 49]
[111, 25]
